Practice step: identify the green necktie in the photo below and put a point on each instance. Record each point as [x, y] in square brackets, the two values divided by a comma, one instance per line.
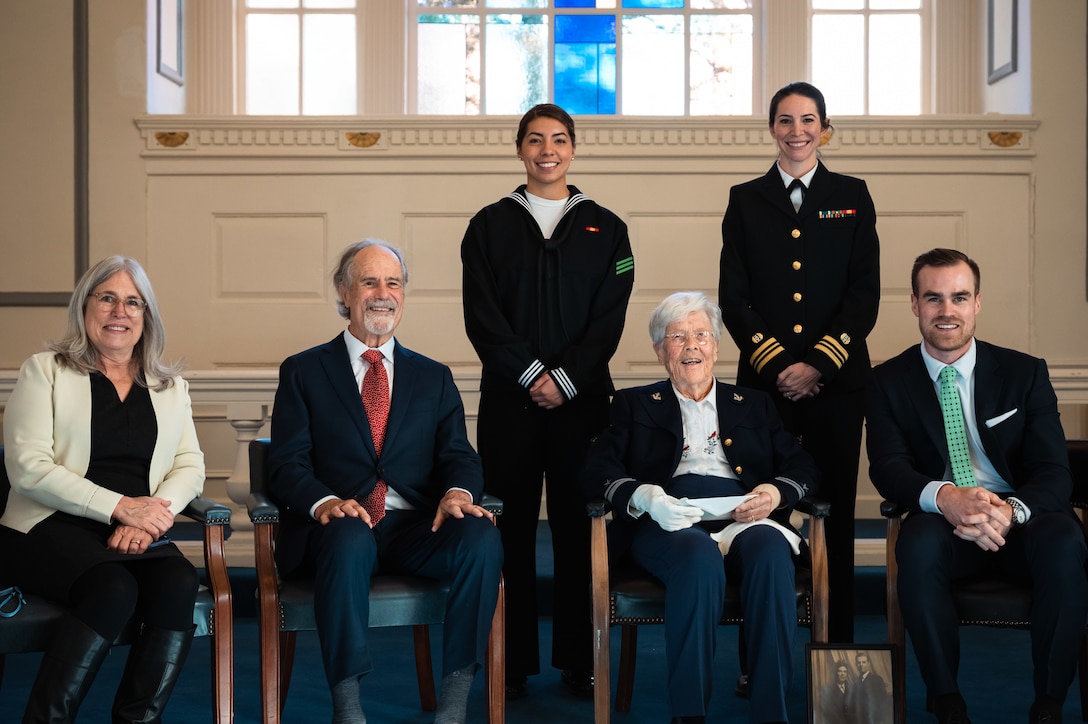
[954, 430]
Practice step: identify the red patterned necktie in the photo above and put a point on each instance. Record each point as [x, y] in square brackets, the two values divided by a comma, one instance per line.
[376, 404]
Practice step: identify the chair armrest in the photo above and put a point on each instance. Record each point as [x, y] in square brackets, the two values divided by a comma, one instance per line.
[208, 512]
[813, 506]
[262, 509]
[491, 504]
[598, 508]
[889, 509]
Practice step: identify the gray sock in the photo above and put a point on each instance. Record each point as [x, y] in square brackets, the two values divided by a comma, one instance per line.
[346, 708]
[453, 700]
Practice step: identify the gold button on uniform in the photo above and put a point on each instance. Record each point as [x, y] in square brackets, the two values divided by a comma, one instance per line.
[738, 470]
[797, 329]
[796, 233]
[729, 442]
[797, 296]
[796, 265]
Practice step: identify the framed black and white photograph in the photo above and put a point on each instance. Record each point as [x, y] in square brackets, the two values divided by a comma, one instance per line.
[170, 53]
[1000, 39]
[854, 685]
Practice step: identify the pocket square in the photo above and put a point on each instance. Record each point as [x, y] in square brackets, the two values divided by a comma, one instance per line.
[1001, 418]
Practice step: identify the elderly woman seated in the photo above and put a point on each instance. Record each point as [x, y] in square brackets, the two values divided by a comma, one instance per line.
[669, 447]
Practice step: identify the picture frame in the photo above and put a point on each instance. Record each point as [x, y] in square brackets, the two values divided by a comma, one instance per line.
[1001, 39]
[170, 45]
[869, 693]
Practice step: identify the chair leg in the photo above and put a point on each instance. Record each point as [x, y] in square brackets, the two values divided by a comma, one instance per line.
[602, 665]
[1083, 677]
[626, 675]
[287, 663]
[421, 636]
[495, 670]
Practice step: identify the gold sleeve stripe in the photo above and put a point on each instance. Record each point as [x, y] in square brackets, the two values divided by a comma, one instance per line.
[835, 351]
[765, 353]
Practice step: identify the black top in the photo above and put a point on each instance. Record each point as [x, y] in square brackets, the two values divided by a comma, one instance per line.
[122, 438]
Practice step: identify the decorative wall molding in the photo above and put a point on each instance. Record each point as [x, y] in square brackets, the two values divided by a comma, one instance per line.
[257, 137]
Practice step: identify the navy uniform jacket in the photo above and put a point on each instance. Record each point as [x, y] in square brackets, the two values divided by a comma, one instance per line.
[645, 439]
[800, 286]
[1017, 414]
[321, 443]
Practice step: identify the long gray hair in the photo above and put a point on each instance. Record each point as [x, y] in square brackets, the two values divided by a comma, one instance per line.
[75, 350]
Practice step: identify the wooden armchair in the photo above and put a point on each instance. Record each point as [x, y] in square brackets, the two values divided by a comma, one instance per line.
[31, 629]
[630, 597]
[984, 600]
[286, 607]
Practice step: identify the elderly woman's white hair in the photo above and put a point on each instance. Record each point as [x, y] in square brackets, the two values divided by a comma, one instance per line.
[75, 350]
[678, 306]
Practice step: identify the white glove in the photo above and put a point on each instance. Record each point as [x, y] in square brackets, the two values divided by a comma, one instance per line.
[667, 511]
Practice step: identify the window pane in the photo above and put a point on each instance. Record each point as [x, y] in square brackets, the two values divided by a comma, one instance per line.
[447, 4]
[666, 4]
[838, 4]
[515, 63]
[895, 4]
[272, 64]
[517, 3]
[277, 4]
[597, 4]
[721, 4]
[653, 65]
[585, 63]
[838, 62]
[335, 4]
[328, 65]
[449, 65]
[721, 65]
[895, 62]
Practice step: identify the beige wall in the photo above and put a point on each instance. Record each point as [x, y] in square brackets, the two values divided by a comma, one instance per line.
[238, 225]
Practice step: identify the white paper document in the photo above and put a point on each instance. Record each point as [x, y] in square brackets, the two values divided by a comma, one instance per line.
[717, 508]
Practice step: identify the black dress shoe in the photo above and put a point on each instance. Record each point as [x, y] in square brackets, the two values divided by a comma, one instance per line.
[741, 688]
[951, 709]
[516, 688]
[1045, 711]
[578, 683]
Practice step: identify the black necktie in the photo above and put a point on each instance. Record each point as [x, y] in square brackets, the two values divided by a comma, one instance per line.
[797, 184]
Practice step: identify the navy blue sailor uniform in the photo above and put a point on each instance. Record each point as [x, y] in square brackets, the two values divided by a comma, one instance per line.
[804, 286]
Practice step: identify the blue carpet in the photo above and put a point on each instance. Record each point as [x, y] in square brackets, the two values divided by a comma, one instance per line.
[390, 695]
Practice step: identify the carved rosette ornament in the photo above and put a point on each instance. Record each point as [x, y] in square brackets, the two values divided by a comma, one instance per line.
[171, 139]
[1005, 139]
[363, 140]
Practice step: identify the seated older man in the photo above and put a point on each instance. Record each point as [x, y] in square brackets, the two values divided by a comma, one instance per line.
[674, 442]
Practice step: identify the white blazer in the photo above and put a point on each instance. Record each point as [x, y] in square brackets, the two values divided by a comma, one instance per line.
[47, 447]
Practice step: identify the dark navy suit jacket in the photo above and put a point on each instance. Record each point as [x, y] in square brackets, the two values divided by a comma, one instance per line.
[645, 439]
[321, 442]
[1017, 414]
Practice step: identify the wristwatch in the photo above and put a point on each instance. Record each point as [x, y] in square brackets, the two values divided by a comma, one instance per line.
[1019, 512]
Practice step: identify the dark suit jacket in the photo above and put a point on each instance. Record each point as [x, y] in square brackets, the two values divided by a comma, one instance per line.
[645, 439]
[321, 443]
[906, 441]
[817, 268]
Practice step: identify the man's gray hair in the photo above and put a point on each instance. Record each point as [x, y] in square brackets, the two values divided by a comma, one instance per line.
[678, 306]
[342, 275]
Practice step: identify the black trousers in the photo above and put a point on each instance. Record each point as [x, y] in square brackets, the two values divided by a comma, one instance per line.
[525, 447]
[1049, 552]
[829, 426]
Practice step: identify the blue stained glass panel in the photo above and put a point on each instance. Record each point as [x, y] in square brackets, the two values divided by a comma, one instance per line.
[585, 77]
[585, 28]
[575, 4]
[665, 4]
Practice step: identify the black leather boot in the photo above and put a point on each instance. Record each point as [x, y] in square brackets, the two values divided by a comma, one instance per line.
[152, 669]
[66, 673]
